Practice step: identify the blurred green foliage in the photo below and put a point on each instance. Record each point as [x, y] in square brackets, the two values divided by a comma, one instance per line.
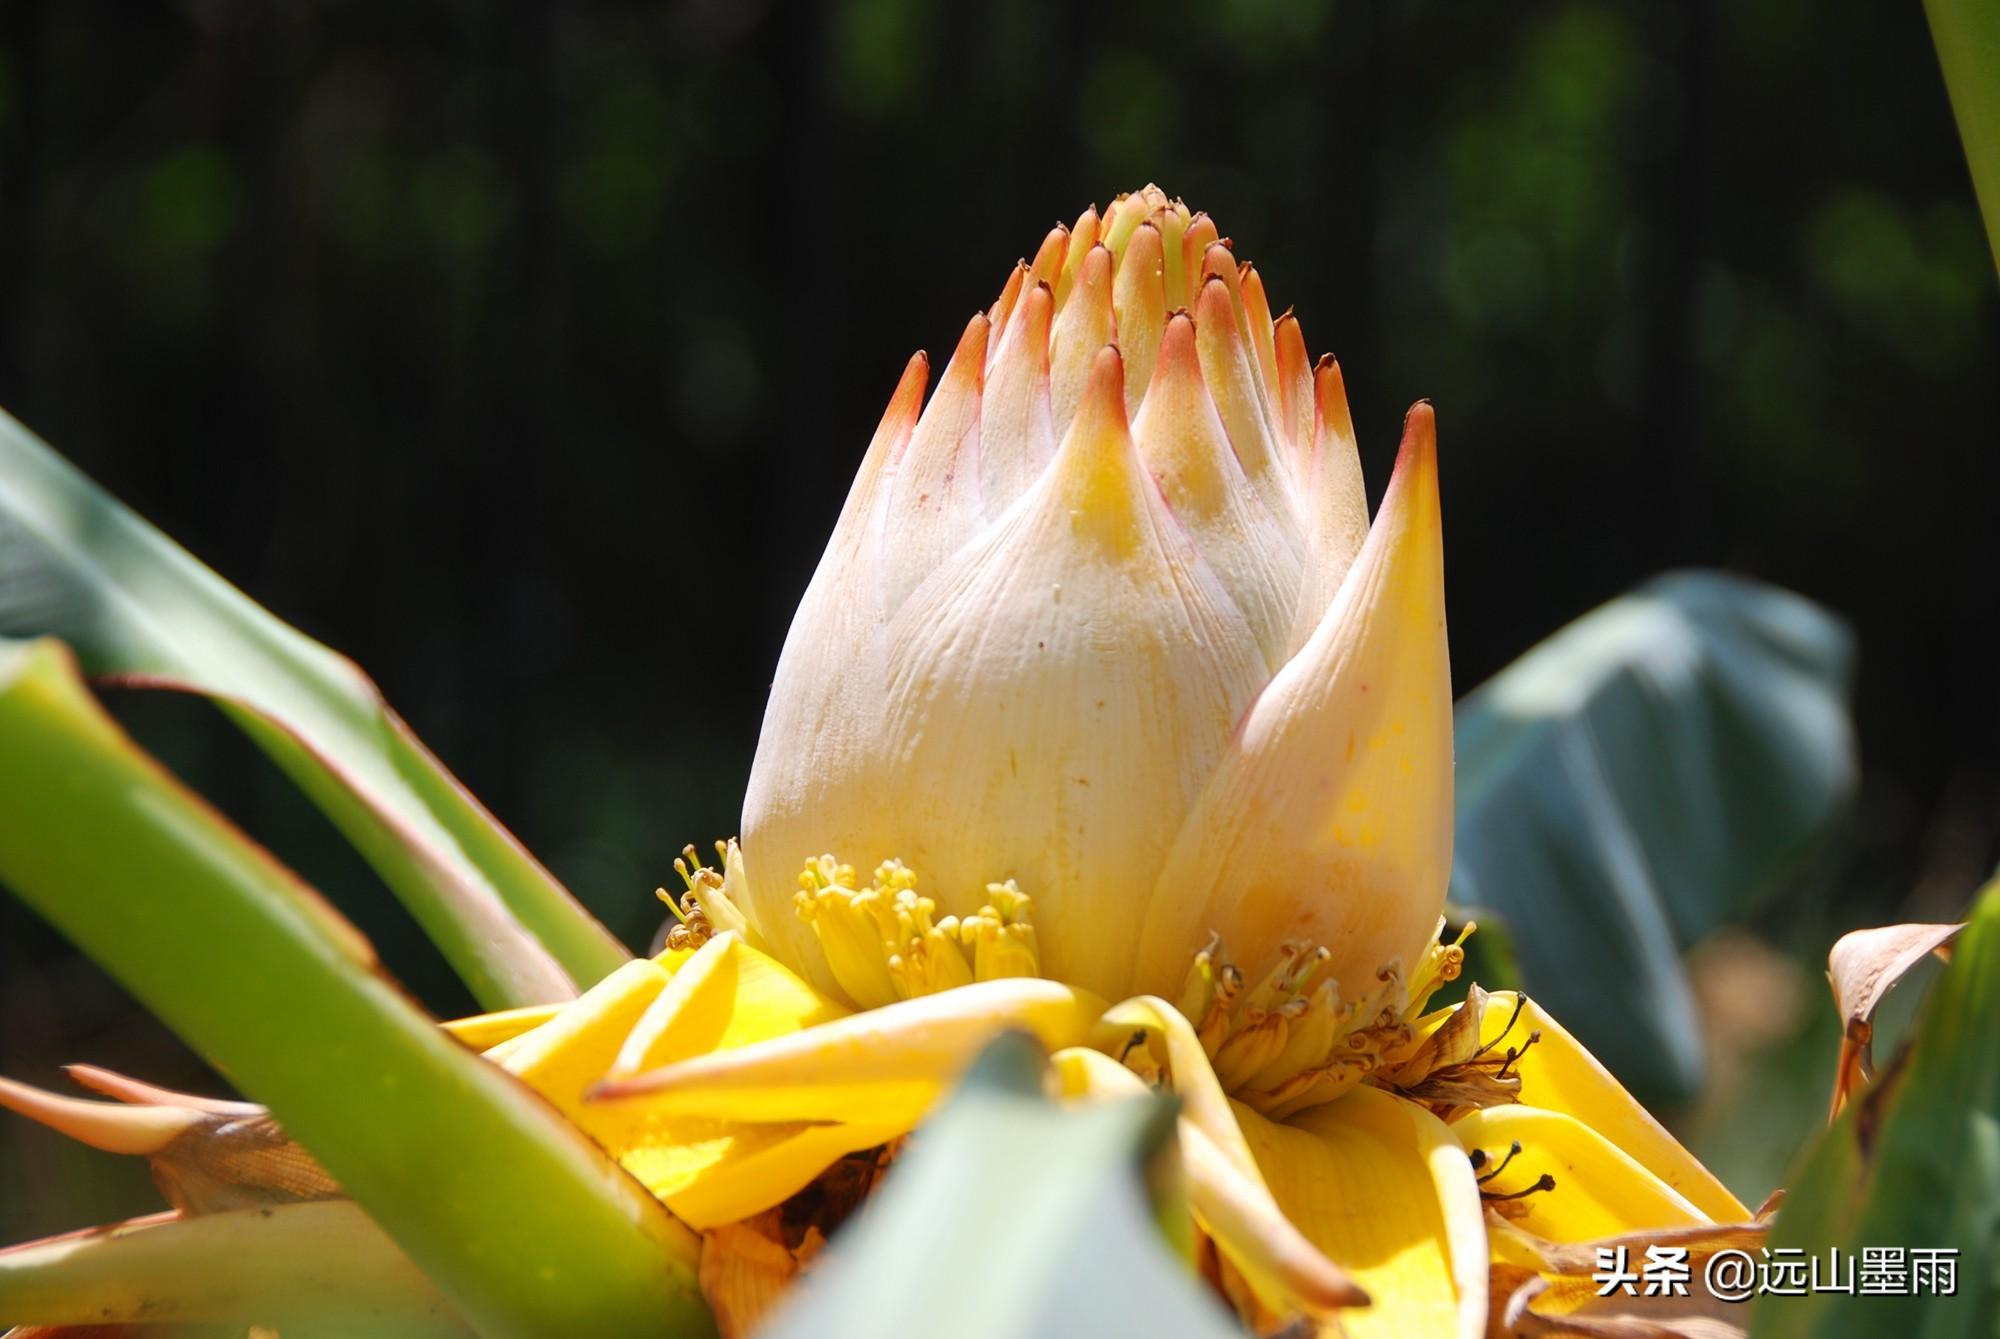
[524, 352]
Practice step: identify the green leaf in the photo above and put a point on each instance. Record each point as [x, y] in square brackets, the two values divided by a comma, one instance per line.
[319, 1264]
[1967, 33]
[1011, 1218]
[519, 1219]
[1912, 1163]
[138, 608]
[1644, 774]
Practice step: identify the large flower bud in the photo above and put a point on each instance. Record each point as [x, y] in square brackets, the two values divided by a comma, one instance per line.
[1107, 618]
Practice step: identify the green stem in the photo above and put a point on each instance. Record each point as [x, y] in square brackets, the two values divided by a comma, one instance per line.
[524, 1224]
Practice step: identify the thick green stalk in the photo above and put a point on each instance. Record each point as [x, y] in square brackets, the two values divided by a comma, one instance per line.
[316, 1267]
[524, 1224]
[1967, 33]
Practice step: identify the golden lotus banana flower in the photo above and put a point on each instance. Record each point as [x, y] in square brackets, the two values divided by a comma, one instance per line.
[1105, 617]
[1109, 685]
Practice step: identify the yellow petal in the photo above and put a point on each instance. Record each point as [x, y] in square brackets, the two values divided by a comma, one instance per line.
[1282, 1266]
[482, 1032]
[572, 1051]
[1233, 1206]
[725, 996]
[1330, 818]
[1558, 1074]
[888, 1064]
[748, 1169]
[1600, 1190]
[1194, 1082]
[1381, 1186]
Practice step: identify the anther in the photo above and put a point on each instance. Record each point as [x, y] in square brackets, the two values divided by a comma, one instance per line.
[1514, 1055]
[1135, 1040]
[1520, 1003]
[1542, 1183]
[1513, 1152]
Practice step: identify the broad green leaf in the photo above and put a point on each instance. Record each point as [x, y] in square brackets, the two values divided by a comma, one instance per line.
[1647, 772]
[519, 1219]
[138, 608]
[1912, 1164]
[1967, 33]
[319, 1265]
[1012, 1218]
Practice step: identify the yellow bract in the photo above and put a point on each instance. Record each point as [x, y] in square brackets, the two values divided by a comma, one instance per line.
[1381, 1186]
[726, 1083]
[708, 1169]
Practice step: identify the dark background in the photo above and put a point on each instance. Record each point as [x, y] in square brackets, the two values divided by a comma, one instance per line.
[524, 353]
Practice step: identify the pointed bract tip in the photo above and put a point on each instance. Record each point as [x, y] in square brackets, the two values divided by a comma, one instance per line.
[1010, 293]
[1036, 315]
[1416, 458]
[1178, 355]
[1050, 255]
[1217, 262]
[110, 1126]
[910, 386]
[1328, 381]
[1103, 402]
[1330, 396]
[971, 349]
[1215, 303]
[126, 1089]
[1291, 342]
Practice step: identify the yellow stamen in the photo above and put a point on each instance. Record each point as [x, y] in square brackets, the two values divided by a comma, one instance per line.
[1290, 1042]
[884, 942]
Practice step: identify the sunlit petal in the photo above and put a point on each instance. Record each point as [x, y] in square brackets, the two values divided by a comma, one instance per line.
[1330, 817]
[1231, 1203]
[1599, 1191]
[1558, 1074]
[1381, 1187]
[888, 1064]
[725, 996]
